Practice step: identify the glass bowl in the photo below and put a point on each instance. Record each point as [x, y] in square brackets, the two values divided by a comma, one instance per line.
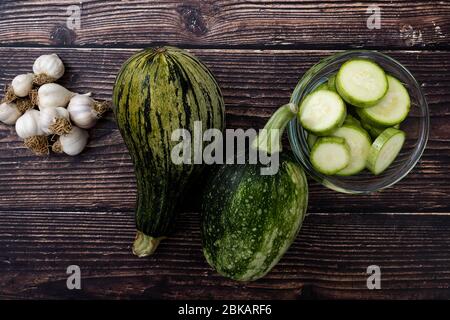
[416, 125]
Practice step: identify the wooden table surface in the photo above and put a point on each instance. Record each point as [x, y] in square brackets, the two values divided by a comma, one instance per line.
[58, 211]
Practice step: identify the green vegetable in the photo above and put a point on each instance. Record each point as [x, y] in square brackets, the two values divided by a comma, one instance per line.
[249, 220]
[157, 91]
[359, 143]
[375, 131]
[352, 120]
[322, 112]
[385, 149]
[322, 86]
[392, 109]
[332, 83]
[378, 100]
[330, 155]
[361, 82]
[311, 140]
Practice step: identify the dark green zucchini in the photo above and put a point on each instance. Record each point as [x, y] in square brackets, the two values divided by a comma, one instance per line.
[249, 220]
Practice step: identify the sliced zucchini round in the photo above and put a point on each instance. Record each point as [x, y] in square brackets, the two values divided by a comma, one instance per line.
[352, 120]
[361, 82]
[359, 143]
[330, 155]
[390, 110]
[311, 140]
[375, 131]
[332, 83]
[322, 86]
[321, 112]
[385, 149]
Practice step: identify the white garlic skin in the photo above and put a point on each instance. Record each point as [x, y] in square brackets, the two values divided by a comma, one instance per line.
[53, 95]
[27, 125]
[22, 84]
[48, 117]
[81, 111]
[9, 113]
[50, 65]
[74, 142]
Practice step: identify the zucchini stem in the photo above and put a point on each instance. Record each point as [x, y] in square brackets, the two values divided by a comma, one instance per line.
[269, 139]
[145, 245]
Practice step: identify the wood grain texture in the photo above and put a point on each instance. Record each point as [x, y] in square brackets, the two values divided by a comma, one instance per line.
[58, 210]
[225, 23]
[254, 83]
[329, 259]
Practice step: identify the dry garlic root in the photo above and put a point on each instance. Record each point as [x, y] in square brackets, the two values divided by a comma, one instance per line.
[72, 143]
[62, 113]
[24, 104]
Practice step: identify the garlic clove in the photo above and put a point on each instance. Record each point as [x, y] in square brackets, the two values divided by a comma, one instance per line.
[74, 142]
[85, 111]
[55, 121]
[48, 68]
[22, 84]
[53, 95]
[28, 125]
[9, 113]
[81, 111]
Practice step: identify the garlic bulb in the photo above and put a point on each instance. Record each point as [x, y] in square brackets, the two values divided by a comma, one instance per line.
[28, 128]
[72, 143]
[28, 125]
[53, 95]
[9, 113]
[22, 84]
[48, 68]
[85, 111]
[55, 121]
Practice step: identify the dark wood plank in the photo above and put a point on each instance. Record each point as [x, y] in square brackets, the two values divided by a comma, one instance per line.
[329, 259]
[225, 23]
[254, 83]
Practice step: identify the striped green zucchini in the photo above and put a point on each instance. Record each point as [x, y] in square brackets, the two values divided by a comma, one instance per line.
[249, 220]
[157, 91]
